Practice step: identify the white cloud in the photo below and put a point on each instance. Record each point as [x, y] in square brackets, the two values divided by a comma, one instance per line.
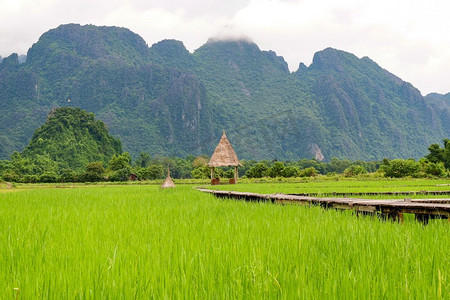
[409, 38]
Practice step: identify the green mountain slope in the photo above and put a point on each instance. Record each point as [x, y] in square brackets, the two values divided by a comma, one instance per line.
[369, 112]
[72, 138]
[108, 71]
[164, 100]
[441, 105]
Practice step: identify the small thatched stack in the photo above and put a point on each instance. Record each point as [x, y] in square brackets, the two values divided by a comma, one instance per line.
[224, 156]
[168, 183]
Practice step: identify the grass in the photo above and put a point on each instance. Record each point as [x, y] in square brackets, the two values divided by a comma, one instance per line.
[138, 241]
[341, 186]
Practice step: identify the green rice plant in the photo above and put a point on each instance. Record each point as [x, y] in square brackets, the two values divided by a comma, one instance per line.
[140, 242]
[341, 186]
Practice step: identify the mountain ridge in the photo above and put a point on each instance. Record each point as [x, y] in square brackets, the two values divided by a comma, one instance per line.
[165, 100]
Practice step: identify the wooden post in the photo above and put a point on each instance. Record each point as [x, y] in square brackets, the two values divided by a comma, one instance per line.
[235, 174]
[212, 173]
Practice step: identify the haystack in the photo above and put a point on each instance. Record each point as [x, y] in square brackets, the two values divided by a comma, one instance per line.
[224, 156]
[168, 182]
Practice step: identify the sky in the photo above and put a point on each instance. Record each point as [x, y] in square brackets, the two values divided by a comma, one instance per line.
[409, 38]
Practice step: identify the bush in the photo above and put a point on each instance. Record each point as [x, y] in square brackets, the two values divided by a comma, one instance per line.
[276, 170]
[435, 169]
[69, 175]
[201, 173]
[228, 173]
[48, 177]
[30, 179]
[120, 175]
[94, 172]
[308, 172]
[155, 172]
[290, 172]
[10, 176]
[398, 168]
[257, 171]
[354, 170]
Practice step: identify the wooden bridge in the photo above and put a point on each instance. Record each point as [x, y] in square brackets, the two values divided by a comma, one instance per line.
[423, 209]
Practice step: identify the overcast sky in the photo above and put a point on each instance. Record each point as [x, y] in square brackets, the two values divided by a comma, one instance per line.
[410, 38]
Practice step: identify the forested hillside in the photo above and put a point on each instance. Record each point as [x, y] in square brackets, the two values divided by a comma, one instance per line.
[72, 138]
[166, 101]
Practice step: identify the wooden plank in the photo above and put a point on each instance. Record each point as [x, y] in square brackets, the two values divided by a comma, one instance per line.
[443, 201]
[375, 193]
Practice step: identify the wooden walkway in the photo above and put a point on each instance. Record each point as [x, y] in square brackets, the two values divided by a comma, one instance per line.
[423, 209]
[375, 193]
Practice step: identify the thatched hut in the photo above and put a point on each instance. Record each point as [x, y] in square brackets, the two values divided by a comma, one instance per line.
[168, 182]
[224, 156]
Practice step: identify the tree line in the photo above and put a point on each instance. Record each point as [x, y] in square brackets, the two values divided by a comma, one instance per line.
[121, 167]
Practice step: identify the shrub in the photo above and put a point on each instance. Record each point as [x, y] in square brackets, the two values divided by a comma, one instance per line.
[290, 172]
[257, 171]
[155, 172]
[120, 175]
[10, 176]
[30, 179]
[48, 177]
[69, 175]
[94, 172]
[276, 170]
[308, 172]
[435, 169]
[398, 168]
[201, 173]
[354, 170]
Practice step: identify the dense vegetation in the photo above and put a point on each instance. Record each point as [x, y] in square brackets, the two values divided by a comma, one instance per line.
[165, 101]
[72, 138]
[74, 147]
[71, 146]
[142, 242]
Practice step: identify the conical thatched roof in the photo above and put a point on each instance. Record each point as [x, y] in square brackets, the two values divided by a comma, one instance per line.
[224, 154]
[168, 183]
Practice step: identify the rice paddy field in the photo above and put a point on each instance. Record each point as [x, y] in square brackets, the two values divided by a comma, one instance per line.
[328, 187]
[140, 242]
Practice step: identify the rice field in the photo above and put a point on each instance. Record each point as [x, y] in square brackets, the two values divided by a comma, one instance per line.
[326, 187]
[140, 242]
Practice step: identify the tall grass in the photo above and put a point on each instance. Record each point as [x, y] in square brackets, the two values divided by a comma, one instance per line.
[139, 241]
[341, 186]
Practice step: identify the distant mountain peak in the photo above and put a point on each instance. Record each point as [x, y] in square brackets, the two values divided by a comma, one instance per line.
[332, 59]
[172, 43]
[89, 42]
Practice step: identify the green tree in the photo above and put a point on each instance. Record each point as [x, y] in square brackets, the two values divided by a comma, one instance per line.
[290, 171]
[94, 172]
[308, 172]
[398, 168]
[120, 174]
[201, 172]
[257, 171]
[11, 176]
[69, 175]
[49, 177]
[436, 154]
[143, 160]
[354, 170]
[276, 170]
[118, 162]
[435, 169]
[155, 172]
